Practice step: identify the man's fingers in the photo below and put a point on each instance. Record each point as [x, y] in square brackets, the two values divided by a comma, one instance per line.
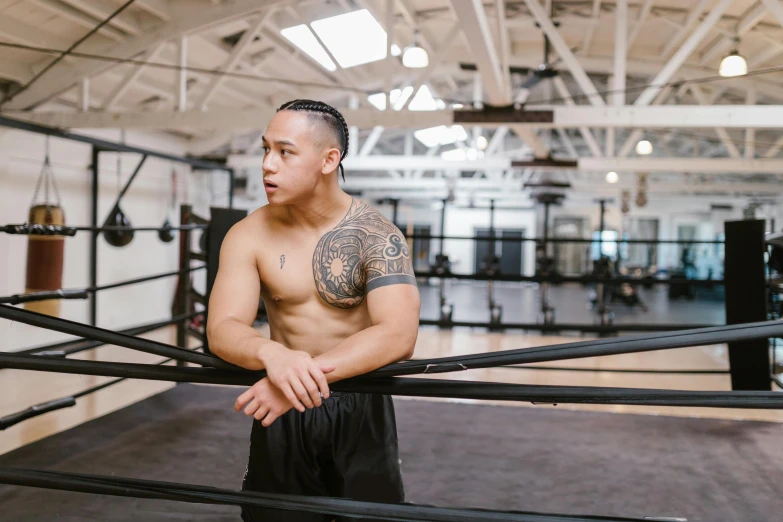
[251, 407]
[261, 412]
[243, 399]
[320, 380]
[269, 419]
[289, 393]
[327, 368]
[303, 394]
[311, 385]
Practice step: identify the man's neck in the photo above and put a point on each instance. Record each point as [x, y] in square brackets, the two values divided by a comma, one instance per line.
[326, 209]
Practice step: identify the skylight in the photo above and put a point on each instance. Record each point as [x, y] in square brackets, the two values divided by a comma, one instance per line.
[352, 38]
[302, 37]
[441, 135]
[423, 101]
[398, 98]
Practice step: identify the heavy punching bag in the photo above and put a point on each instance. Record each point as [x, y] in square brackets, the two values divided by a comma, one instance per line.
[45, 253]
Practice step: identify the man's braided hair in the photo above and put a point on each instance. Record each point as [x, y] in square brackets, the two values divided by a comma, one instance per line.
[330, 116]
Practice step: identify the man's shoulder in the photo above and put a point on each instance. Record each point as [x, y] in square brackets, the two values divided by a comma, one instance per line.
[362, 215]
[257, 220]
[250, 227]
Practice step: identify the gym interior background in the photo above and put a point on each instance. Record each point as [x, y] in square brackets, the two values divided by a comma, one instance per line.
[562, 169]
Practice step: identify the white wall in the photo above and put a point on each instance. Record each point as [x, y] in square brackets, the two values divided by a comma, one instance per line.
[146, 204]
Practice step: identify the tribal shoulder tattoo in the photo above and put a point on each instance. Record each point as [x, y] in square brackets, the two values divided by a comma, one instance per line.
[364, 251]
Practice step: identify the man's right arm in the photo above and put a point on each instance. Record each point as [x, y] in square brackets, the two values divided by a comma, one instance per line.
[233, 304]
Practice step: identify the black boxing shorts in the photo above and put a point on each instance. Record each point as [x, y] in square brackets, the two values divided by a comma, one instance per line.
[345, 448]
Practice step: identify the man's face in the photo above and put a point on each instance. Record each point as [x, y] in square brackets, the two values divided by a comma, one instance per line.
[293, 158]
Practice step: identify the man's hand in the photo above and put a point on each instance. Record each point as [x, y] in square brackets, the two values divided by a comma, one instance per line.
[264, 401]
[297, 376]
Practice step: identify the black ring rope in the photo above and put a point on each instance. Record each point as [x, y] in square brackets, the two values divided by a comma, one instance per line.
[139, 488]
[84, 293]
[65, 348]
[13, 419]
[62, 230]
[110, 337]
[416, 387]
[592, 348]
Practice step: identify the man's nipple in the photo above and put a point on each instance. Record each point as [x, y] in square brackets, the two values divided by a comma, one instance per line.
[277, 298]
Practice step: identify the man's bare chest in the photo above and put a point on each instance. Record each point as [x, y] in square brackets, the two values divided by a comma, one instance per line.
[297, 272]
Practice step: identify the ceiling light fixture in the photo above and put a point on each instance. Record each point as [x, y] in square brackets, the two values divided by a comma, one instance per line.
[415, 56]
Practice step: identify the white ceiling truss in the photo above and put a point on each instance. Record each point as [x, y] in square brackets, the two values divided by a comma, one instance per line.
[614, 72]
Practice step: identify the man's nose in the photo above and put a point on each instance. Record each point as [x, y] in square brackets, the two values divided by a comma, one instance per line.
[269, 164]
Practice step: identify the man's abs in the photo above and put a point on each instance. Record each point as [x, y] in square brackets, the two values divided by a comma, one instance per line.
[312, 327]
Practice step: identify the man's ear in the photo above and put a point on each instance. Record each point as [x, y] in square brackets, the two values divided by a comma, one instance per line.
[331, 161]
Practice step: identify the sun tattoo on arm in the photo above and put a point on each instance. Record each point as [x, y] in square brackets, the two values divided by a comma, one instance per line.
[364, 251]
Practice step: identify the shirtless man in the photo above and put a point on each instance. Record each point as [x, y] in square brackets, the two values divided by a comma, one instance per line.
[341, 298]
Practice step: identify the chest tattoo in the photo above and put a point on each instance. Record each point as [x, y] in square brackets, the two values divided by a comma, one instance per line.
[364, 251]
[282, 261]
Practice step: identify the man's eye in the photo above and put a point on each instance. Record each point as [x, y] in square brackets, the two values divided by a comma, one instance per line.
[284, 152]
[265, 149]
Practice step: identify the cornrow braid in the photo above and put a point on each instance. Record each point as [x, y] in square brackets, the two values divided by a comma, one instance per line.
[331, 115]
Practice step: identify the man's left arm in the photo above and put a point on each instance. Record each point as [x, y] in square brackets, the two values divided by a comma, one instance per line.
[394, 314]
[393, 303]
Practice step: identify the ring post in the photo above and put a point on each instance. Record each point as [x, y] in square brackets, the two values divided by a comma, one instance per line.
[746, 302]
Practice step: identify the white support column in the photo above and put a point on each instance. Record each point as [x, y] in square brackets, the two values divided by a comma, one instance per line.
[750, 134]
[574, 67]
[84, 95]
[587, 134]
[683, 53]
[182, 74]
[620, 52]
[620, 56]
